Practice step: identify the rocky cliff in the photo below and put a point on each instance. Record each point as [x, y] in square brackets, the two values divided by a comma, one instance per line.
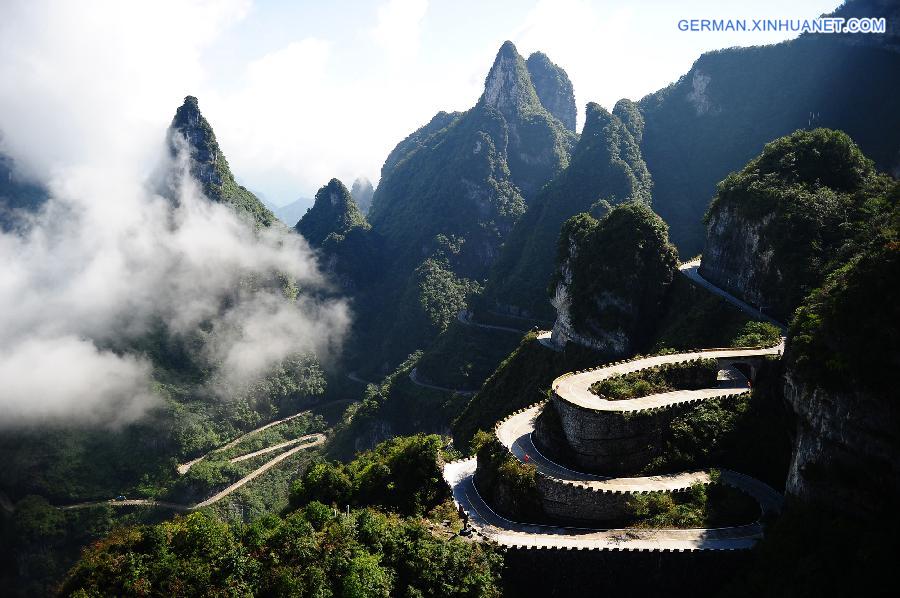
[191, 132]
[469, 176]
[790, 216]
[842, 354]
[612, 276]
[553, 88]
[732, 102]
[606, 165]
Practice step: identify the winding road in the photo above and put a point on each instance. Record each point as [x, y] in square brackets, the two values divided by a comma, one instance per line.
[465, 317]
[515, 432]
[313, 440]
[414, 377]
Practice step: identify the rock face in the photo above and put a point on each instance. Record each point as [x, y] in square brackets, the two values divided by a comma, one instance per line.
[362, 192]
[846, 453]
[469, 175]
[840, 380]
[711, 122]
[775, 228]
[737, 252]
[191, 132]
[606, 165]
[538, 147]
[553, 88]
[612, 276]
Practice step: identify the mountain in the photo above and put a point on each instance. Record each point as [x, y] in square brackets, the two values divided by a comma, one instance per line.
[291, 213]
[606, 168]
[470, 176]
[334, 224]
[553, 88]
[611, 278]
[207, 164]
[333, 214]
[362, 192]
[732, 102]
[449, 195]
[790, 216]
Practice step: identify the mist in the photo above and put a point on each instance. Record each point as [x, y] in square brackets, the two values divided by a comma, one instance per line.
[108, 260]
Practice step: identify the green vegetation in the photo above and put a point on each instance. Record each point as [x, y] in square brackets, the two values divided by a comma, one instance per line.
[690, 375]
[732, 102]
[694, 318]
[442, 295]
[616, 272]
[553, 87]
[506, 483]
[606, 165]
[316, 549]
[750, 434]
[843, 337]
[402, 475]
[333, 216]
[311, 552]
[522, 378]
[209, 166]
[713, 505]
[217, 472]
[464, 356]
[40, 542]
[815, 199]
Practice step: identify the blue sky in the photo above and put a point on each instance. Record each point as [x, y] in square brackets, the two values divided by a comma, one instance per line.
[299, 92]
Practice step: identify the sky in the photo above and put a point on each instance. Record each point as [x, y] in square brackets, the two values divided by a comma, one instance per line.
[299, 92]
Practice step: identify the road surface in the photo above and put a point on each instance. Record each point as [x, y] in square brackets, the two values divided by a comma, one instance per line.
[515, 432]
[313, 440]
[414, 376]
[465, 317]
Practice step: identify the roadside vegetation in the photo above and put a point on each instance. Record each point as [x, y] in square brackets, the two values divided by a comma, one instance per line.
[690, 375]
[404, 545]
[702, 506]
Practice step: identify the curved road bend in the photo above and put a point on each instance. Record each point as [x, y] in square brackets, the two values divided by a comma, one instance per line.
[691, 269]
[459, 475]
[316, 440]
[185, 467]
[516, 434]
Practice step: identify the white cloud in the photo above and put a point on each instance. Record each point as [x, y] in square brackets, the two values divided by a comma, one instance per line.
[398, 26]
[108, 259]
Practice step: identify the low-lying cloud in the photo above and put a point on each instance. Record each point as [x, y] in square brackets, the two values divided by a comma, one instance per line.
[107, 260]
[88, 89]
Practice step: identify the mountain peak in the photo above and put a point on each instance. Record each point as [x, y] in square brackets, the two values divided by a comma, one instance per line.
[553, 87]
[362, 192]
[333, 212]
[508, 86]
[190, 131]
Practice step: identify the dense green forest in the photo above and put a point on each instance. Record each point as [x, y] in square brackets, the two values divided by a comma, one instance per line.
[398, 539]
[323, 473]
